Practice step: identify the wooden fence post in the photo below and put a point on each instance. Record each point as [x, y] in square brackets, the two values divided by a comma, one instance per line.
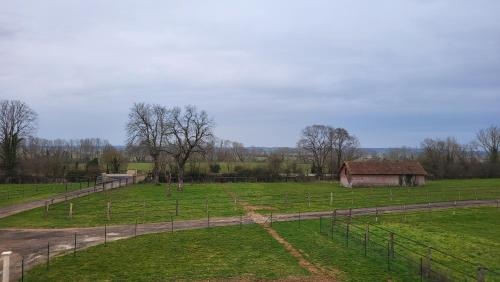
[70, 210]
[108, 211]
[347, 234]
[47, 204]
[391, 242]
[135, 228]
[480, 274]
[74, 248]
[48, 255]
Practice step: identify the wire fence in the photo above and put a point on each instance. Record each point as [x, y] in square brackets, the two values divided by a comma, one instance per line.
[17, 191]
[407, 257]
[402, 255]
[41, 251]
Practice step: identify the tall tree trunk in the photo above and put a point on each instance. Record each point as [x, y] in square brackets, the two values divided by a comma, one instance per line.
[180, 184]
[156, 169]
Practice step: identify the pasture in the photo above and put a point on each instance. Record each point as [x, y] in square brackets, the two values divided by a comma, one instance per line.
[151, 203]
[461, 241]
[249, 253]
[225, 167]
[19, 193]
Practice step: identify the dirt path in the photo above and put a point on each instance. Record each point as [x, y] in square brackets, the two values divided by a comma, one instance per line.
[32, 243]
[266, 222]
[17, 208]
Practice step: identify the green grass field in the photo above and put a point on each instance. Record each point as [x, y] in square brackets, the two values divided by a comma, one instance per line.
[320, 196]
[149, 203]
[18, 193]
[250, 253]
[222, 253]
[225, 167]
[469, 234]
[141, 202]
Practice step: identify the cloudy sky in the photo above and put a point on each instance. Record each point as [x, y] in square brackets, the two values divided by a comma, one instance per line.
[391, 72]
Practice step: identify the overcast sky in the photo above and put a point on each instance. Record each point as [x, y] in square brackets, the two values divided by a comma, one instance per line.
[391, 72]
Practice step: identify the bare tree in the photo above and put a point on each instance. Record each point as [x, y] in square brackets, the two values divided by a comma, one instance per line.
[17, 121]
[315, 140]
[148, 126]
[114, 159]
[239, 151]
[190, 132]
[489, 140]
[344, 146]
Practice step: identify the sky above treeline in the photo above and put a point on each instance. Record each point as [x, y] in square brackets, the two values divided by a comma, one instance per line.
[391, 72]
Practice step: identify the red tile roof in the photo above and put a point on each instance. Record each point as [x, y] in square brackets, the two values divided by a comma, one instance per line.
[385, 167]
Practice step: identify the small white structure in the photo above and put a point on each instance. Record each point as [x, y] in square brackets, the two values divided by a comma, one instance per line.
[6, 266]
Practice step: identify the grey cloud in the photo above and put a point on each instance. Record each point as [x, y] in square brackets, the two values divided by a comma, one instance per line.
[272, 66]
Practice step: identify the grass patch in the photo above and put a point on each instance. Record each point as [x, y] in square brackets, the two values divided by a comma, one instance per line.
[222, 253]
[294, 197]
[469, 234]
[149, 203]
[141, 202]
[225, 167]
[19, 193]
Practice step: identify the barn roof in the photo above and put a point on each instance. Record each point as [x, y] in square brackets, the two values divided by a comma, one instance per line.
[385, 167]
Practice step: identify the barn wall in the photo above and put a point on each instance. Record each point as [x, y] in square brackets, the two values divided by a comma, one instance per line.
[343, 178]
[375, 180]
[420, 180]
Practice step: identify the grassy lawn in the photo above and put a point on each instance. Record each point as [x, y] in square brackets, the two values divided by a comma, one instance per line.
[294, 197]
[222, 253]
[470, 234]
[225, 167]
[141, 202]
[149, 203]
[19, 193]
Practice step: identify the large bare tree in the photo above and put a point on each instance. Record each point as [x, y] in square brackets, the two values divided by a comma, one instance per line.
[17, 121]
[148, 126]
[315, 141]
[190, 132]
[344, 146]
[489, 140]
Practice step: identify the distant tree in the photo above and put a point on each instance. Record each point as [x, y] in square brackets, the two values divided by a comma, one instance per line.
[92, 167]
[344, 146]
[17, 121]
[239, 151]
[114, 159]
[400, 154]
[316, 141]
[190, 131]
[214, 168]
[274, 163]
[489, 140]
[148, 126]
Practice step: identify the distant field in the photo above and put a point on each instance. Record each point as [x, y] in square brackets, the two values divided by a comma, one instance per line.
[470, 234]
[225, 167]
[150, 203]
[18, 193]
[216, 253]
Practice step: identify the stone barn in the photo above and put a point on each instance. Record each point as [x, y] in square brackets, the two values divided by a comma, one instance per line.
[382, 173]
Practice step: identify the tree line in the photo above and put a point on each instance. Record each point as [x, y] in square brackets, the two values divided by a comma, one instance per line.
[447, 158]
[178, 140]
